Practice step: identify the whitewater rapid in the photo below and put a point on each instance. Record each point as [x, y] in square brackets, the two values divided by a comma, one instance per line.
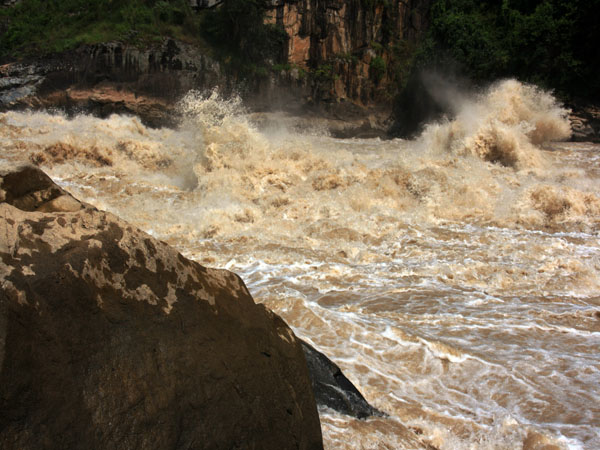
[454, 278]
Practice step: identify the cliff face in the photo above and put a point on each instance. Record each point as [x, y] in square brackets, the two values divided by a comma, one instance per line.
[353, 49]
[342, 56]
[110, 78]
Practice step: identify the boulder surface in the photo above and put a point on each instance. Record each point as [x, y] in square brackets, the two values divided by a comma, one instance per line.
[332, 389]
[110, 338]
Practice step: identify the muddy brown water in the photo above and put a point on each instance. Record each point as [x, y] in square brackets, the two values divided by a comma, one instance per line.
[454, 278]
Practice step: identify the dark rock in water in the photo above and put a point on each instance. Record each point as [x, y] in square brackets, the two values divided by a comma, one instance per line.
[331, 387]
[428, 97]
[109, 338]
[585, 122]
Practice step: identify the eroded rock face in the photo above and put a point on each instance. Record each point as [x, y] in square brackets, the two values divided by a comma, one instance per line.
[111, 77]
[340, 40]
[111, 339]
[342, 57]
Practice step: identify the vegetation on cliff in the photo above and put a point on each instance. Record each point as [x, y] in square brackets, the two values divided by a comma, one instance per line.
[35, 27]
[552, 43]
[249, 46]
[235, 31]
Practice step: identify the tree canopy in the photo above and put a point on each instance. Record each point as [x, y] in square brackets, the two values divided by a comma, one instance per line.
[553, 43]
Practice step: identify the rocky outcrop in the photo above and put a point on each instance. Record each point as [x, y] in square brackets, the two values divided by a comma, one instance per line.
[350, 48]
[345, 61]
[331, 387]
[585, 122]
[111, 339]
[112, 78]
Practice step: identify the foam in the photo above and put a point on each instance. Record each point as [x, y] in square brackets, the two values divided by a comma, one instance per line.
[440, 274]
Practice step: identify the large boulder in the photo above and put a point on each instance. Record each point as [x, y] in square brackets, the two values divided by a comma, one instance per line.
[111, 339]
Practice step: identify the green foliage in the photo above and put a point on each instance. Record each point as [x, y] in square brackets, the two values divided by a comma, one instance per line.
[371, 4]
[401, 62]
[324, 73]
[302, 74]
[281, 67]
[246, 44]
[378, 47]
[377, 68]
[549, 42]
[239, 30]
[35, 27]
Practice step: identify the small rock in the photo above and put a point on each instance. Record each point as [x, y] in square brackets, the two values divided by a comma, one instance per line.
[331, 387]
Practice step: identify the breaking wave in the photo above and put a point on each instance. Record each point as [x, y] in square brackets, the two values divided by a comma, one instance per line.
[505, 125]
[426, 269]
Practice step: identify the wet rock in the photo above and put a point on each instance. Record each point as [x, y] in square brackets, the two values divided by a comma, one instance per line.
[18, 88]
[331, 387]
[111, 339]
[111, 77]
[585, 123]
[337, 126]
[105, 99]
[369, 128]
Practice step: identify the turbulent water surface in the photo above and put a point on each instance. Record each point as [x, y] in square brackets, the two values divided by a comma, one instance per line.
[454, 278]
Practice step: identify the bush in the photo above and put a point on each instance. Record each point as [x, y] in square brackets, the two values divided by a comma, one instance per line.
[35, 27]
[548, 42]
[377, 68]
[238, 29]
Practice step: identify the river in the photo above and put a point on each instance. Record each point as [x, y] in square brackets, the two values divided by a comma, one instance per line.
[454, 278]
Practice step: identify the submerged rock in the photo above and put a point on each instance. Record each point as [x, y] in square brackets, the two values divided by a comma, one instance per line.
[331, 387]
[585, 123]
[111, 339]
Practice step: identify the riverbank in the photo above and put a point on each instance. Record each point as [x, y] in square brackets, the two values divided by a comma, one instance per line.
[114, 78]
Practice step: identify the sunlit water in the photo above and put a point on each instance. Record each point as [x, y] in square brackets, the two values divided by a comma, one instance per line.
[455, 278]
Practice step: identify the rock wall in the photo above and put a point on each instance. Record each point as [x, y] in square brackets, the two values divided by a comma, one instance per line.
[112, 78]
[346, 44]
[111, 339]
[345, 59]
[585, 121]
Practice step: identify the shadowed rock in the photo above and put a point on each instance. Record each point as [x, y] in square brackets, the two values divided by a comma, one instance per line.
[111, 339]
[331, 387]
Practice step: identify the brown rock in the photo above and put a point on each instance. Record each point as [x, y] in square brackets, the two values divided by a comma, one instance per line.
[585, 122]
[346, 36]
[111, 339]
[112, 77]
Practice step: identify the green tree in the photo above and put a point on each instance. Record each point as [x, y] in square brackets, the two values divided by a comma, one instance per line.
[238, 27]
[34, 27]
[549, 42]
